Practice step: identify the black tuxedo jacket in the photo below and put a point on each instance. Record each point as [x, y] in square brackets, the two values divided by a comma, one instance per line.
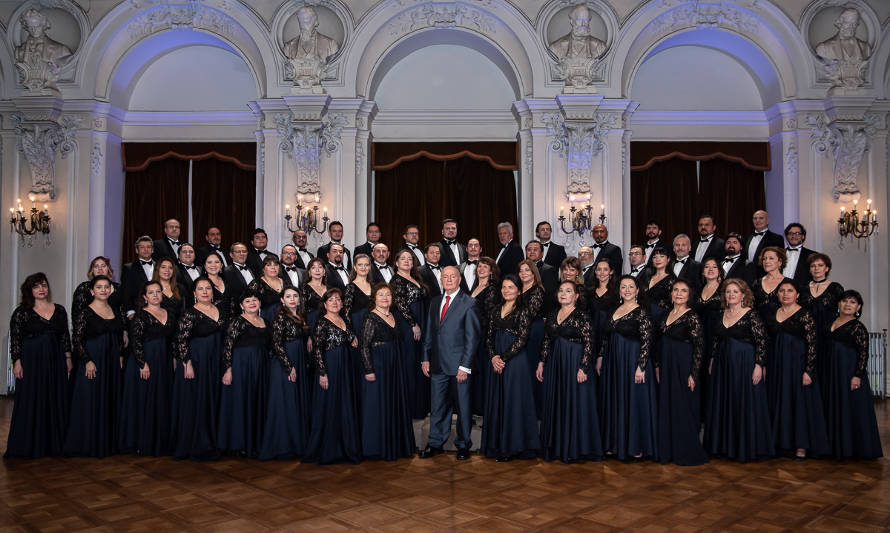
[301, 273]
[334, 279]
[550, 281]
[255, 262]
[162, 249]
[589, 276]
[323, 253]
[801, 274]
[741, 269]
[363, 249]
[376, 276]
[769, 239]
[691, 272]
[555, 255]
[132, 279]
[447, 257]
[203, 252]
[509, 260]
[299, 261]
[463, 281]
[613, 254]
[183, 278]
[430, 279]
[234, 281]
[715, 249]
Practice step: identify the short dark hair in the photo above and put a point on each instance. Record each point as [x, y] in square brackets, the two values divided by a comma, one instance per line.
[372, 223]
[430, 245]
[535, 241]
[653, 222]
[447, 220]
[328, 294]
[236, 243]
[97, 279]
[706, 215]
[249, 293]
[257, 231]
[818, 256]
[372, 301]
[409, 226]
[144, 238]
[541, 223]
[30, 282]
[336, 223]
[803, 230]
[736, 236]
[850, 293]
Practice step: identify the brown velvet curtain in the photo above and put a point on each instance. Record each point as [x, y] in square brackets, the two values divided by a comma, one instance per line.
[423, 192]
[665, 191]
[730, 193]
[223, 195]
[152, 196]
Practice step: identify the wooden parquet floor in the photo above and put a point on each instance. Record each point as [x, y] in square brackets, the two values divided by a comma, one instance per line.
[128, 493]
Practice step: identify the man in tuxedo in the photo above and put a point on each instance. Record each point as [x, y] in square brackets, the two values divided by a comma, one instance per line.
[653, 239]
[603, 248]
[553, 253]
[636, 260]
[412, 237]
[381, 270]
[257, 251]
[510, 253]
[169, 245]
[534, 251]
[238, 274]
[453, 252]
[338, 274]
[300, 239]
[431, 271]
[798, 266]
[451, 337]
[213, 246]
[289, 272]
[137, 274]
[708, 243]
[372, 232]
[468, 267]
[685, 267]
[760, 239]
[585, 257]
[734, 264]
[335, 230]
[188, 271]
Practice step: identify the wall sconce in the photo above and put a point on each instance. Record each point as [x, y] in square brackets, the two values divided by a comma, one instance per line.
[852, 224]
[306, 218]
[580, 218]
[29, 226]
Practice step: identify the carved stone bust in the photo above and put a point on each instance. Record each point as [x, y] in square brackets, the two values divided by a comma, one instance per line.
[578, 50]
[844, 54]
[310, 50]
[39, 57]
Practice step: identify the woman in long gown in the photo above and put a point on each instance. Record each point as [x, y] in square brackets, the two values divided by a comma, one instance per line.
[570, 429]
[708, 307]
[356, 299]
[792, 391]
[243, 397]
[409, 297]
[602, 299]
[386, 427]
[99, 266]
[148, 378]
[820, 296]
[286, 427]
[270, 286]
[172, 291]
[765, 289]
[657, 284]
[511, 421]
[314, 287]
[630, 412]
[681, 352]
[334, 437]
[738, 421]
[40, 350]
[532, 298]
[196, 383]
[486, 295]
[222, 297]
[99, 335]
[852, 426]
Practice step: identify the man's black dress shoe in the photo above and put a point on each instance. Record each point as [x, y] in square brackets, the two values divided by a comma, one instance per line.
[504, 459]
[430, 451]
[463, 453]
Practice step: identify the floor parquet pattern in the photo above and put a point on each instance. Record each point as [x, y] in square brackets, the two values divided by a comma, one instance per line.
[129, 493]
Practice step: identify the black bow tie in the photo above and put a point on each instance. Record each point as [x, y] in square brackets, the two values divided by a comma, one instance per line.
[411, 246]
[174, 243]
[382, 267]
[729, 259]
[149, 262]
[651, 245]
[598, 245]
[635, 269]
[759, 232]
[585, 269]
[302, 249]
[705, 239]
[213, 246]
[189, 267]
[341, 267]
[449, 242]
[433, 267]
[545, 244]
[241, 267]
[681, 261]
[290, 269]
[473, 262]
[792, 249]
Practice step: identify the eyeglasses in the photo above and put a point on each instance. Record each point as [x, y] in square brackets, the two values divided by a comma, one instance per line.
[794, 233]
[634, 253]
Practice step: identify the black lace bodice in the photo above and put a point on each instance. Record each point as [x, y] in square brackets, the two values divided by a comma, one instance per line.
[83, 298]
[89, 325]
[802, 326]
[326, 337]
[25, 323]
[487, 299]
[285, 330]
[766, 303]
[375, 331]
[709, 306]
[146, 327]
[634, 325]
[748, 329]
[855, 335]
[660, 293]
[311, 299]
[268, 295]
[533, 301]
[687, 328]
[241, 334]
[405, 293]
[575, 328]
[516, 323]
[195, 324]
[173, 306]
[604, 304]
[824, 306]
[354, 299]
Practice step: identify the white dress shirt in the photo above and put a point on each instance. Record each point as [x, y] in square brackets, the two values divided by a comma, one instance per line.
[450, 296]
[437, 272]
[418, 253]
[148, 267]
[647, 250]
[793, 253]
[305, 257]
[728, 263]
[341, 271]
[470, 274]
[385, 271]
[752, 246]
[503, 249]
[245, 272]
[192, 272]
[678, 266]
[545, 247]
[704, 243]
[293, 275]
[635, 271]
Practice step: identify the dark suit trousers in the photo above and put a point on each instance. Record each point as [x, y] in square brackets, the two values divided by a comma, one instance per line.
[445, 394]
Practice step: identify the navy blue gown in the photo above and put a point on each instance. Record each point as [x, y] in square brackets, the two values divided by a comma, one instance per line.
[511, 420]
[710, 312]
[40, 413]
[824, 311]
[766, 303]
[679, 419]
[243, 403]
[288, 402]
[410, 303]
[312, 302]
[334, 436]
[196, 401]
[658, 297]
[355, 309]
[630, 411]
[386, 427]
[570, 428]
[738, 421]
[486, 300]
[95, 403]
[798, 419]
[145, 403]
[533, 300]
[852, 426]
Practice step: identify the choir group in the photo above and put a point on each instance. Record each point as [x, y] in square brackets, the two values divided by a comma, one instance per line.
[739, 347]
